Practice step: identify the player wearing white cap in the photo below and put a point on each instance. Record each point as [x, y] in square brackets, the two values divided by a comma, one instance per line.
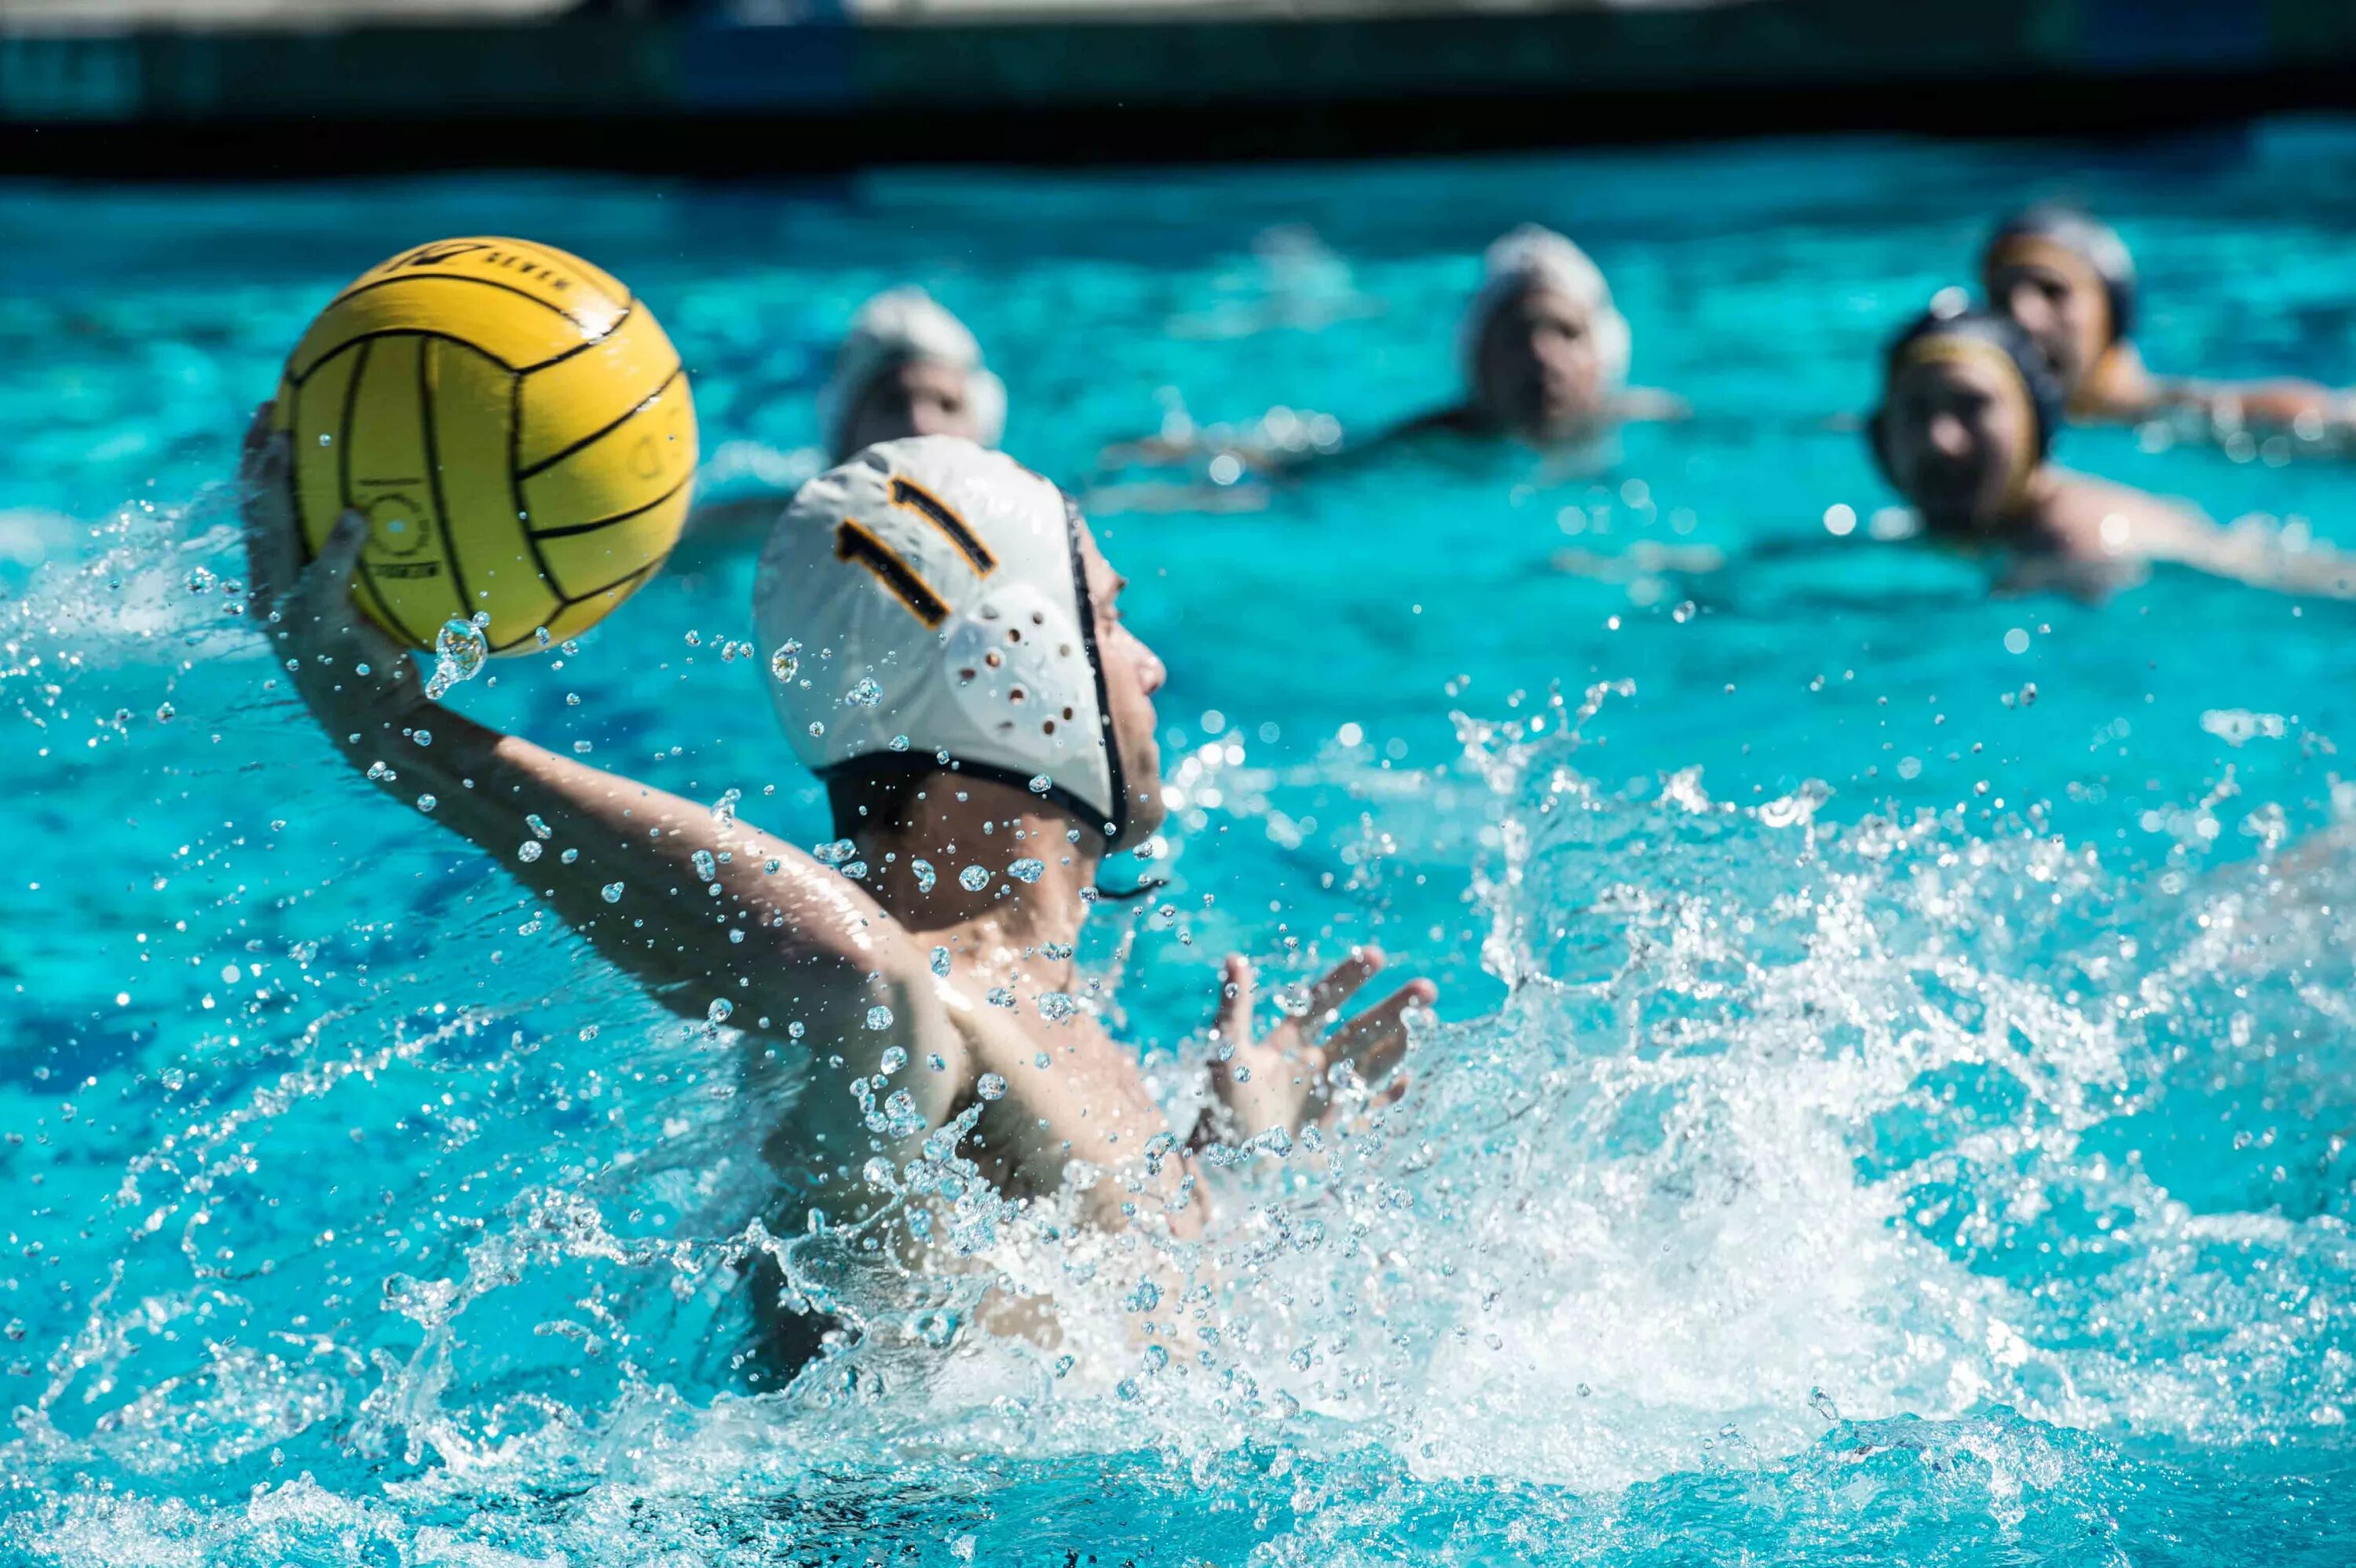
[951, 658]
[906, 366]
[1544, 348]
[1545, 354]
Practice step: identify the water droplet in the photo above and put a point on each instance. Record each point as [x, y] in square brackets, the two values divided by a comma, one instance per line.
[164, 712]
[1026, 869]
[786, 662]
[1056, 1006]
[706, 869]
[866, 694]
[990, 1086]
[1001, 996]
[973, 878]
[1040, 784]
[327, 439]
[723, 810]
[422, 737]
[816, 728]
[426, 803]
[937, 1062]
[1822, 1403]
[459, 650]
[570, 856]
[719, 1011]
[894, 1060]
[879, 1017]
[611, 892]
[899, 744]
[527, 851]
[924, 873]
[940, 961]
[834, 852]
[877, 1173]
[1041, 1062]
[539, 828]
[200, 581]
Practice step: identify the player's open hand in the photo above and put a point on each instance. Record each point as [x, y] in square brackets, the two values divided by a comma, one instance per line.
[1287, 1077]
[344, 665]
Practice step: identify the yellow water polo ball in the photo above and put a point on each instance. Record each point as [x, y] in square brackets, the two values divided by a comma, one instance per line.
[516, 428]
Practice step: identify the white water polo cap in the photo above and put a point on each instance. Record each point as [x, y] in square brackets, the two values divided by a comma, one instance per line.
[931, 599]
[894, 327]
[1531, 256]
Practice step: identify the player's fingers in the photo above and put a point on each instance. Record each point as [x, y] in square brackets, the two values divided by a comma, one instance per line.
[257, 429]
[1375, 1042]
[327, 583]
[270, 548]
[1233, 1021]
[1327, 996]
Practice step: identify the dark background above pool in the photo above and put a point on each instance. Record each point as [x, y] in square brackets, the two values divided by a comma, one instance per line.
[142, 86]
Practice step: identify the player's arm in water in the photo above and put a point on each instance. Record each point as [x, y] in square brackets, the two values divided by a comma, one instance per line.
[2104, 536]
[813, 945]
[1257, 452]
[2121, 388]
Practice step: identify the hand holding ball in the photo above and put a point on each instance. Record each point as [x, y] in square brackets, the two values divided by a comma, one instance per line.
[515, 427]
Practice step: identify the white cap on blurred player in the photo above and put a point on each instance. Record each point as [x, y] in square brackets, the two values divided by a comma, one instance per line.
[894, 327]
[949, 577]
[1532, 257]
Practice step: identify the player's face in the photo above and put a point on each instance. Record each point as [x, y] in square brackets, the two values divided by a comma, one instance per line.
[2065, 308]
[1132, 674]
[1539, 371]
[917, 396]
[1956, 432]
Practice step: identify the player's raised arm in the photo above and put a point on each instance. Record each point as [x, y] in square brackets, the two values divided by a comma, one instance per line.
[632, 868]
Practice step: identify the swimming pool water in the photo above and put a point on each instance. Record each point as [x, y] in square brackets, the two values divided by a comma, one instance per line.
[1881, 1112]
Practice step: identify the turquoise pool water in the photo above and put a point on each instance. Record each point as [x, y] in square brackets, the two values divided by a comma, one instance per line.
[1881, 1114]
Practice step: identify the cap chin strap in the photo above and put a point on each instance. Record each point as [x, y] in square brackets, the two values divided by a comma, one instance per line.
[1119, 824]
[1116, 824]
[1145, 888]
